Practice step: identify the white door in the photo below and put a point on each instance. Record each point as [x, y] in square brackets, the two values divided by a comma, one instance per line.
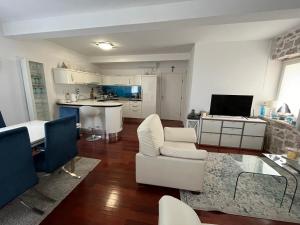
[171, 96]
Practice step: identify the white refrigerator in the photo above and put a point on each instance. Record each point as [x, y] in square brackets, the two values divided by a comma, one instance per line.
[35, 89]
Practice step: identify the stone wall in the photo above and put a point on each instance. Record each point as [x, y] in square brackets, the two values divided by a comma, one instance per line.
[286, 45]
[280, 135]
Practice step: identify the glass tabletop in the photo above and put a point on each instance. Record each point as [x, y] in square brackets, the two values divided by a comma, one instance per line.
[254, 164]
[282, 161]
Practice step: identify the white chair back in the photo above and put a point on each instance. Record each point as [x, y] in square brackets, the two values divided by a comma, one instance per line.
[88, 116]
[151, 135]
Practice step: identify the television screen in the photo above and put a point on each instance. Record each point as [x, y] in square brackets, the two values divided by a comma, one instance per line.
[231, 105]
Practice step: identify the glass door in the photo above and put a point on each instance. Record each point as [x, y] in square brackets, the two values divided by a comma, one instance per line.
[39, 90]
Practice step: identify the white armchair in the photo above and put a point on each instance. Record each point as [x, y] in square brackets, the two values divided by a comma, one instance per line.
[168, 157]
[175, 212]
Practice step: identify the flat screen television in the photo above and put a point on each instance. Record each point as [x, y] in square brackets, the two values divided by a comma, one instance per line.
[231, 105]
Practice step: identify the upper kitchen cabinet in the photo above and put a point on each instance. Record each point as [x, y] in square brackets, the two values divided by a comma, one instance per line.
[116, 80]
[78, 77]
[122, 80]
[68, 76]
[135, 80]
[93, 78]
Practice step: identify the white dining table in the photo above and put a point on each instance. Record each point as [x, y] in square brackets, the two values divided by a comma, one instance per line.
[35, 130]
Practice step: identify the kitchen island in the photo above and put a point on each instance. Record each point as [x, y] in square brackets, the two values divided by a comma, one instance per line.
[109, 122]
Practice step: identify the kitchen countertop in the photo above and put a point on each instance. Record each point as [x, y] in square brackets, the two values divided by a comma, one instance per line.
[91, 102]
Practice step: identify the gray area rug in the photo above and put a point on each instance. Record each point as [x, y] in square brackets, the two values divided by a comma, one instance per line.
[57, 186]
[257, 196]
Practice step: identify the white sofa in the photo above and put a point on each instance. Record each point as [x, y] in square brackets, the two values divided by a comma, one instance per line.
[175, 212]
[168, 157]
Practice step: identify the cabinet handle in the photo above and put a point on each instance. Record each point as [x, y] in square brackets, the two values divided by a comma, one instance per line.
[72, 77]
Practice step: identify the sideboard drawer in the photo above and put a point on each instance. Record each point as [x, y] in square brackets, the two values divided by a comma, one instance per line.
[226, 130]
[230, 140]
[210, 139]
[212, 126]
[252, 142]
[233, 124]
[255, 129]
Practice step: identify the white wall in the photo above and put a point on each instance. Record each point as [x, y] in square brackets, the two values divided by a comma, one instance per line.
[188, 87]
[242, 68]
[12, 98]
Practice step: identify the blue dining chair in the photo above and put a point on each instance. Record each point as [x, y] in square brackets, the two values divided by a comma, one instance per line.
[17, 173]
[60, 145]
[2, 123]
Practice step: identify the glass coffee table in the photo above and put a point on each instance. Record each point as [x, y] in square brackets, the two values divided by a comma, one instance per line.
[290, 166]
[256, 166]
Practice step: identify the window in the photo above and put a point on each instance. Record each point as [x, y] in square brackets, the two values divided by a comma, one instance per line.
[289, 91]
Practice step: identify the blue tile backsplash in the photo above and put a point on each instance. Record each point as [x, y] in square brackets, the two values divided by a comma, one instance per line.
[122, 91]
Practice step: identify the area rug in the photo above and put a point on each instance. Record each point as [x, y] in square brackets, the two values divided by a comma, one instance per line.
[257, 196]
[57, 186]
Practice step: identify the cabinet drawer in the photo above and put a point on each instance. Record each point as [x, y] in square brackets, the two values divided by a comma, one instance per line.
[211, 126]
[135, 103]
[233, 124]
[210, 139]
[230, 140]
[252, 142]
[136, 108]
[255, 129]
[226, 130]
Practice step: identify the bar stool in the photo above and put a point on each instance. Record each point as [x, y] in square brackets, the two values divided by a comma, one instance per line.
[88, 117]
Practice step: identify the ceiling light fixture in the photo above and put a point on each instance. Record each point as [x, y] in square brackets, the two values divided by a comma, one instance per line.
[105, 45]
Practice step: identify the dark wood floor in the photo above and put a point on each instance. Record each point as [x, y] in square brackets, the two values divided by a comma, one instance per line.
[109, 194]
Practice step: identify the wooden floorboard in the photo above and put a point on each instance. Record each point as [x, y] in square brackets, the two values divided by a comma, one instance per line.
[109, 194]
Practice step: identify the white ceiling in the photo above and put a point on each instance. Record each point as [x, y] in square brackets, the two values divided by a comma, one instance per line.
[175, 39]
[11, 10]
[146, 26]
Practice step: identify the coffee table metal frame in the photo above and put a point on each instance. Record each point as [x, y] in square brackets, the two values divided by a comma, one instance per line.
[244, 172]
[289, 172]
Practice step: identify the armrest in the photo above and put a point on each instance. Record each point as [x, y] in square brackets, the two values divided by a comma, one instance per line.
[183, 153]
[180, 134]
[174, 212]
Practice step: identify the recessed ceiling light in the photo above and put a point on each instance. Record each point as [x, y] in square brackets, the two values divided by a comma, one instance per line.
[105, 45]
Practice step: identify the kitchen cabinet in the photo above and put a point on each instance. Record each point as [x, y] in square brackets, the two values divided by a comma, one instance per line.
[78, 77]
[116, 80]
[132, 109]
[149, 89]
[68, 76]
[135, 80]
[93, 78]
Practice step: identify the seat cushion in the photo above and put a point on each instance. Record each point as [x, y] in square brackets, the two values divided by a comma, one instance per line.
[180, 145]
[151, 135]
[172, 150]
[180, 134]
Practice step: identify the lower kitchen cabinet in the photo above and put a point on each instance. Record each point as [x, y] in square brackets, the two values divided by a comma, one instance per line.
[132, 109]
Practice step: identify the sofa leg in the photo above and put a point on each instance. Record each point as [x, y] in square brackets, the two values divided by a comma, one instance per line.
[196, 192]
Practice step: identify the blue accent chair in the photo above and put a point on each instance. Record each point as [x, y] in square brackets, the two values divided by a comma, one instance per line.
[60, 145]
[2, 123]
[17, 173]
[70, 111]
